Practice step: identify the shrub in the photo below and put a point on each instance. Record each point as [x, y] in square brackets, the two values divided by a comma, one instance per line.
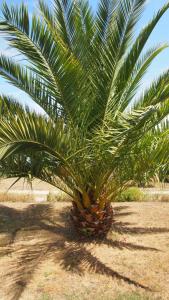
[59, 197]
[132, 194]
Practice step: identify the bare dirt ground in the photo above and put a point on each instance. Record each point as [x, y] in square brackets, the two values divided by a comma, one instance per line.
[42, 258]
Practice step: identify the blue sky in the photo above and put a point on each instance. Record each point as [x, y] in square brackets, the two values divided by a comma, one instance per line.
[160, 35]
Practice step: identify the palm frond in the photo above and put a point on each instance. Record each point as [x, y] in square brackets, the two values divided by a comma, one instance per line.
[38, 89]
[132, 57]
[43, 53]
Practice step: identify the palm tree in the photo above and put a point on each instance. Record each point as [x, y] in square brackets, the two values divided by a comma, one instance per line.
[84, 70]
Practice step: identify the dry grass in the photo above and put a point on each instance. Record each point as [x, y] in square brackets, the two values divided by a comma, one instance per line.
[56, 195]
[157, 198]
[13, 197]
[42, 258]
[62, 197]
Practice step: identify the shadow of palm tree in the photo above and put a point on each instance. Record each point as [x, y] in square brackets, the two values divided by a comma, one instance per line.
[40, 231]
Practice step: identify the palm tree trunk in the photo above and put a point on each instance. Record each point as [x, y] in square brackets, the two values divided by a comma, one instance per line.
[93, 221]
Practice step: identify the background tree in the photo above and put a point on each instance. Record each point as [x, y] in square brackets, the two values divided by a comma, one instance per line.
[84, 70]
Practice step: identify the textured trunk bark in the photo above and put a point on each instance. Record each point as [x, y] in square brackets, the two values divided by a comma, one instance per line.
[93, 221]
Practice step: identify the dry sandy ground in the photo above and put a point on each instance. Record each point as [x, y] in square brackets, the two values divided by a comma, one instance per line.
[42, 258]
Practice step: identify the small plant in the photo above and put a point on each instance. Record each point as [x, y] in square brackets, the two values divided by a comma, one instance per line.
[132, 194]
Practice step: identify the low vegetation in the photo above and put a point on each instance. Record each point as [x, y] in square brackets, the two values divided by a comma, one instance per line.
[132, 296]
[126, 296]
[15, 197]
[132, 194]
[60, 197]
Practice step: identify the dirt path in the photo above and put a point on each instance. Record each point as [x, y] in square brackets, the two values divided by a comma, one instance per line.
[41, 258]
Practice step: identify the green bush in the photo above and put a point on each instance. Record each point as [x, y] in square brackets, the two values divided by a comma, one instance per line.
[132, 194]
